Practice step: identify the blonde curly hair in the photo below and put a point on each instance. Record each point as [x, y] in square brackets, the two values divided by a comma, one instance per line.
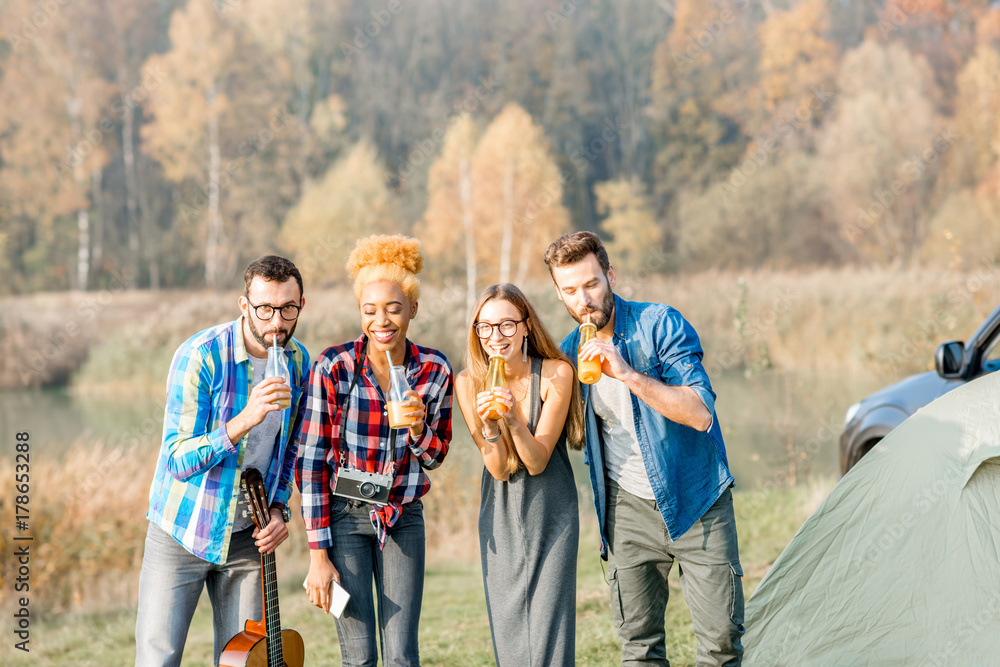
[395, 258]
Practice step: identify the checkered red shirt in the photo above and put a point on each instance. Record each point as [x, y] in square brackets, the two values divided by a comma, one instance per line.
[367, 434]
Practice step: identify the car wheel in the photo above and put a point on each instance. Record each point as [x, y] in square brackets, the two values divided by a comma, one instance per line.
[860, 451]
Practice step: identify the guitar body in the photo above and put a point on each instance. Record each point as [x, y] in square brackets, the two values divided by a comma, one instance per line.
[249, 649]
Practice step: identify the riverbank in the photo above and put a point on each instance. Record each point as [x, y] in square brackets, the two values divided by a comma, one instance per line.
[876, 320]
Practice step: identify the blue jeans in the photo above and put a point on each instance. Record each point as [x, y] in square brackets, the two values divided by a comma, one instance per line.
[398, 573]
[169, 587]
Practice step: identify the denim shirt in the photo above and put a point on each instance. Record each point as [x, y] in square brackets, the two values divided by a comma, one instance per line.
[687, 468]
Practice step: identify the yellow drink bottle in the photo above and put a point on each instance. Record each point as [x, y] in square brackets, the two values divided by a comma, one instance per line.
[589, 371]
[496, 376]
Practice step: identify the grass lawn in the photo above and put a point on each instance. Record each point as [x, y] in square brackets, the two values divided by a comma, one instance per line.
[454, 629]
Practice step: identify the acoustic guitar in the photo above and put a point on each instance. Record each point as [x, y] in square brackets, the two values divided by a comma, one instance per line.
[263, 643]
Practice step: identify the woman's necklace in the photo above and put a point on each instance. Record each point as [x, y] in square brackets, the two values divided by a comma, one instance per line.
[513, 390]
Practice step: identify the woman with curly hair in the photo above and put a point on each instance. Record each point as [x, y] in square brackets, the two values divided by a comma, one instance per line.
[345, 439]
[529, 521]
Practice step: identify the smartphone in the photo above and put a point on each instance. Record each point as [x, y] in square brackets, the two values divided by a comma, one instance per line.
[338, 599]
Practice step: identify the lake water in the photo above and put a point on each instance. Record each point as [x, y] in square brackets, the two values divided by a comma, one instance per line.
[777, 426]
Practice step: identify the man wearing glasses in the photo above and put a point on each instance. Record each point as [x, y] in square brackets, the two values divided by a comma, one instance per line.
[221, 418]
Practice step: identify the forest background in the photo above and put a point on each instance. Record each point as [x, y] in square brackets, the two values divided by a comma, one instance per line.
[162, 144]
[813, 184]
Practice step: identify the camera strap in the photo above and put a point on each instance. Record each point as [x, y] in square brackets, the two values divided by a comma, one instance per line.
[358, 366]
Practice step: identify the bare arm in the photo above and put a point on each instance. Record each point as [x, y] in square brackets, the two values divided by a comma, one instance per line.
[677, 403]
[494, 453]
[535, 450]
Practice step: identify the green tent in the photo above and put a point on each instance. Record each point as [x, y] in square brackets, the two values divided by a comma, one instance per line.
[900, 564]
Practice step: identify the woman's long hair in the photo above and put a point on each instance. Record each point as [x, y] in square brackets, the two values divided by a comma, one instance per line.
[540, 344]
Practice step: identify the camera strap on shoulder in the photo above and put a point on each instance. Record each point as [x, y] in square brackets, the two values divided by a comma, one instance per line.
[358, 366]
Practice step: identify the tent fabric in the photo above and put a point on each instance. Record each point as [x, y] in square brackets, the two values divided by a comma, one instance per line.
[900, 564]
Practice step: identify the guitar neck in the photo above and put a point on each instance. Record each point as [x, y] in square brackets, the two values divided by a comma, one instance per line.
[272, 615]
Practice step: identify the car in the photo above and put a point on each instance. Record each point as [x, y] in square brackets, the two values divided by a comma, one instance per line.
[955, 363]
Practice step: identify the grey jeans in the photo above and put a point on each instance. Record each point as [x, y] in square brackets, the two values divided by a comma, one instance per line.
[642, 553]
[170, 584]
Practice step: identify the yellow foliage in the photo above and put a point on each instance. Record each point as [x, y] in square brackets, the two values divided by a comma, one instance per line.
[630, 222]
[190, 92]
[517, 193]
[350, 201]
[441, 228]
[795, 55]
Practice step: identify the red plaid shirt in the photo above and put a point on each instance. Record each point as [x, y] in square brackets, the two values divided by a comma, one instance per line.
[367, 434]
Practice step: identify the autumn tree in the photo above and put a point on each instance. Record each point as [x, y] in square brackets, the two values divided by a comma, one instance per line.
[882, 149]
[699, 86]
[963, 232]
[518, 194]
[774, 219]
[976, 103]
[216, 114]
[51, 96]
[797, 66]
[349, 201]
[448, 228]
[635, 235]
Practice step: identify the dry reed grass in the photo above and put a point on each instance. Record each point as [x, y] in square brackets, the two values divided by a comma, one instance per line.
[843, 319]
[87, 523]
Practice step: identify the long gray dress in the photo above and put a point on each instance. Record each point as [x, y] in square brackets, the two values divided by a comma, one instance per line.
[529, 528]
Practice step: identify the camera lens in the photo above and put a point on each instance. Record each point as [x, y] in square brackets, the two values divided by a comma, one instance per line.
[367, 489]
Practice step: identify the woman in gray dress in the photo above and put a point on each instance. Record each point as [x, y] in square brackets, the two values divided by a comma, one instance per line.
[528, 517]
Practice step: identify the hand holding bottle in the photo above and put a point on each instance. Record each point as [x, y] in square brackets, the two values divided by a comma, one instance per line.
[277, 367]
[495, 404]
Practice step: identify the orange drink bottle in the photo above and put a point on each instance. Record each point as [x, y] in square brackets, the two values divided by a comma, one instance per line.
[496, 376]
[400, 415]
[589, 370]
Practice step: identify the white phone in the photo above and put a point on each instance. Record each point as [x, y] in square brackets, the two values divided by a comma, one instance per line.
[338, 599]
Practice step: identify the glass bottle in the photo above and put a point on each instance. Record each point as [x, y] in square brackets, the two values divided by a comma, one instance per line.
[400, 416]
[277, 366]
[496, 376]
[589, 371]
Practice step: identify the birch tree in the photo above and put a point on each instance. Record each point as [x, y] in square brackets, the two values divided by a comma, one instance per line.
[448, 229]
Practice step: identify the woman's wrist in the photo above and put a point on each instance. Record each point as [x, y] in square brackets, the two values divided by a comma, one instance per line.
[490, 437]
[318, 556]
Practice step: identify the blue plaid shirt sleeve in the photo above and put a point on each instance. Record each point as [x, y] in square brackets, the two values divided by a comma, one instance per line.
[192, 447]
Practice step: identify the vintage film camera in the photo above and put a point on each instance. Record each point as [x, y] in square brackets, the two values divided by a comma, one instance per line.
[368, 487]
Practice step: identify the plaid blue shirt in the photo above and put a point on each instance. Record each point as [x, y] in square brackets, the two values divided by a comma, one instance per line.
[367, 434]
[196, 486]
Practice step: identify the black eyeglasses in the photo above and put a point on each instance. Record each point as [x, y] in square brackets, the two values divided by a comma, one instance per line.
[266, 311]
[507, 328]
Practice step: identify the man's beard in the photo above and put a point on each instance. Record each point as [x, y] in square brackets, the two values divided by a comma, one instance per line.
[283, 337]
[600, 317]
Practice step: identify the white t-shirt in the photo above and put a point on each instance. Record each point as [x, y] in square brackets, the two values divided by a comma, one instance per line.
[260, 446]
[612, 403]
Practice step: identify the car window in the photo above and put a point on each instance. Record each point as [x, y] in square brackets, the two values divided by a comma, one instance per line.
[991, 360]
